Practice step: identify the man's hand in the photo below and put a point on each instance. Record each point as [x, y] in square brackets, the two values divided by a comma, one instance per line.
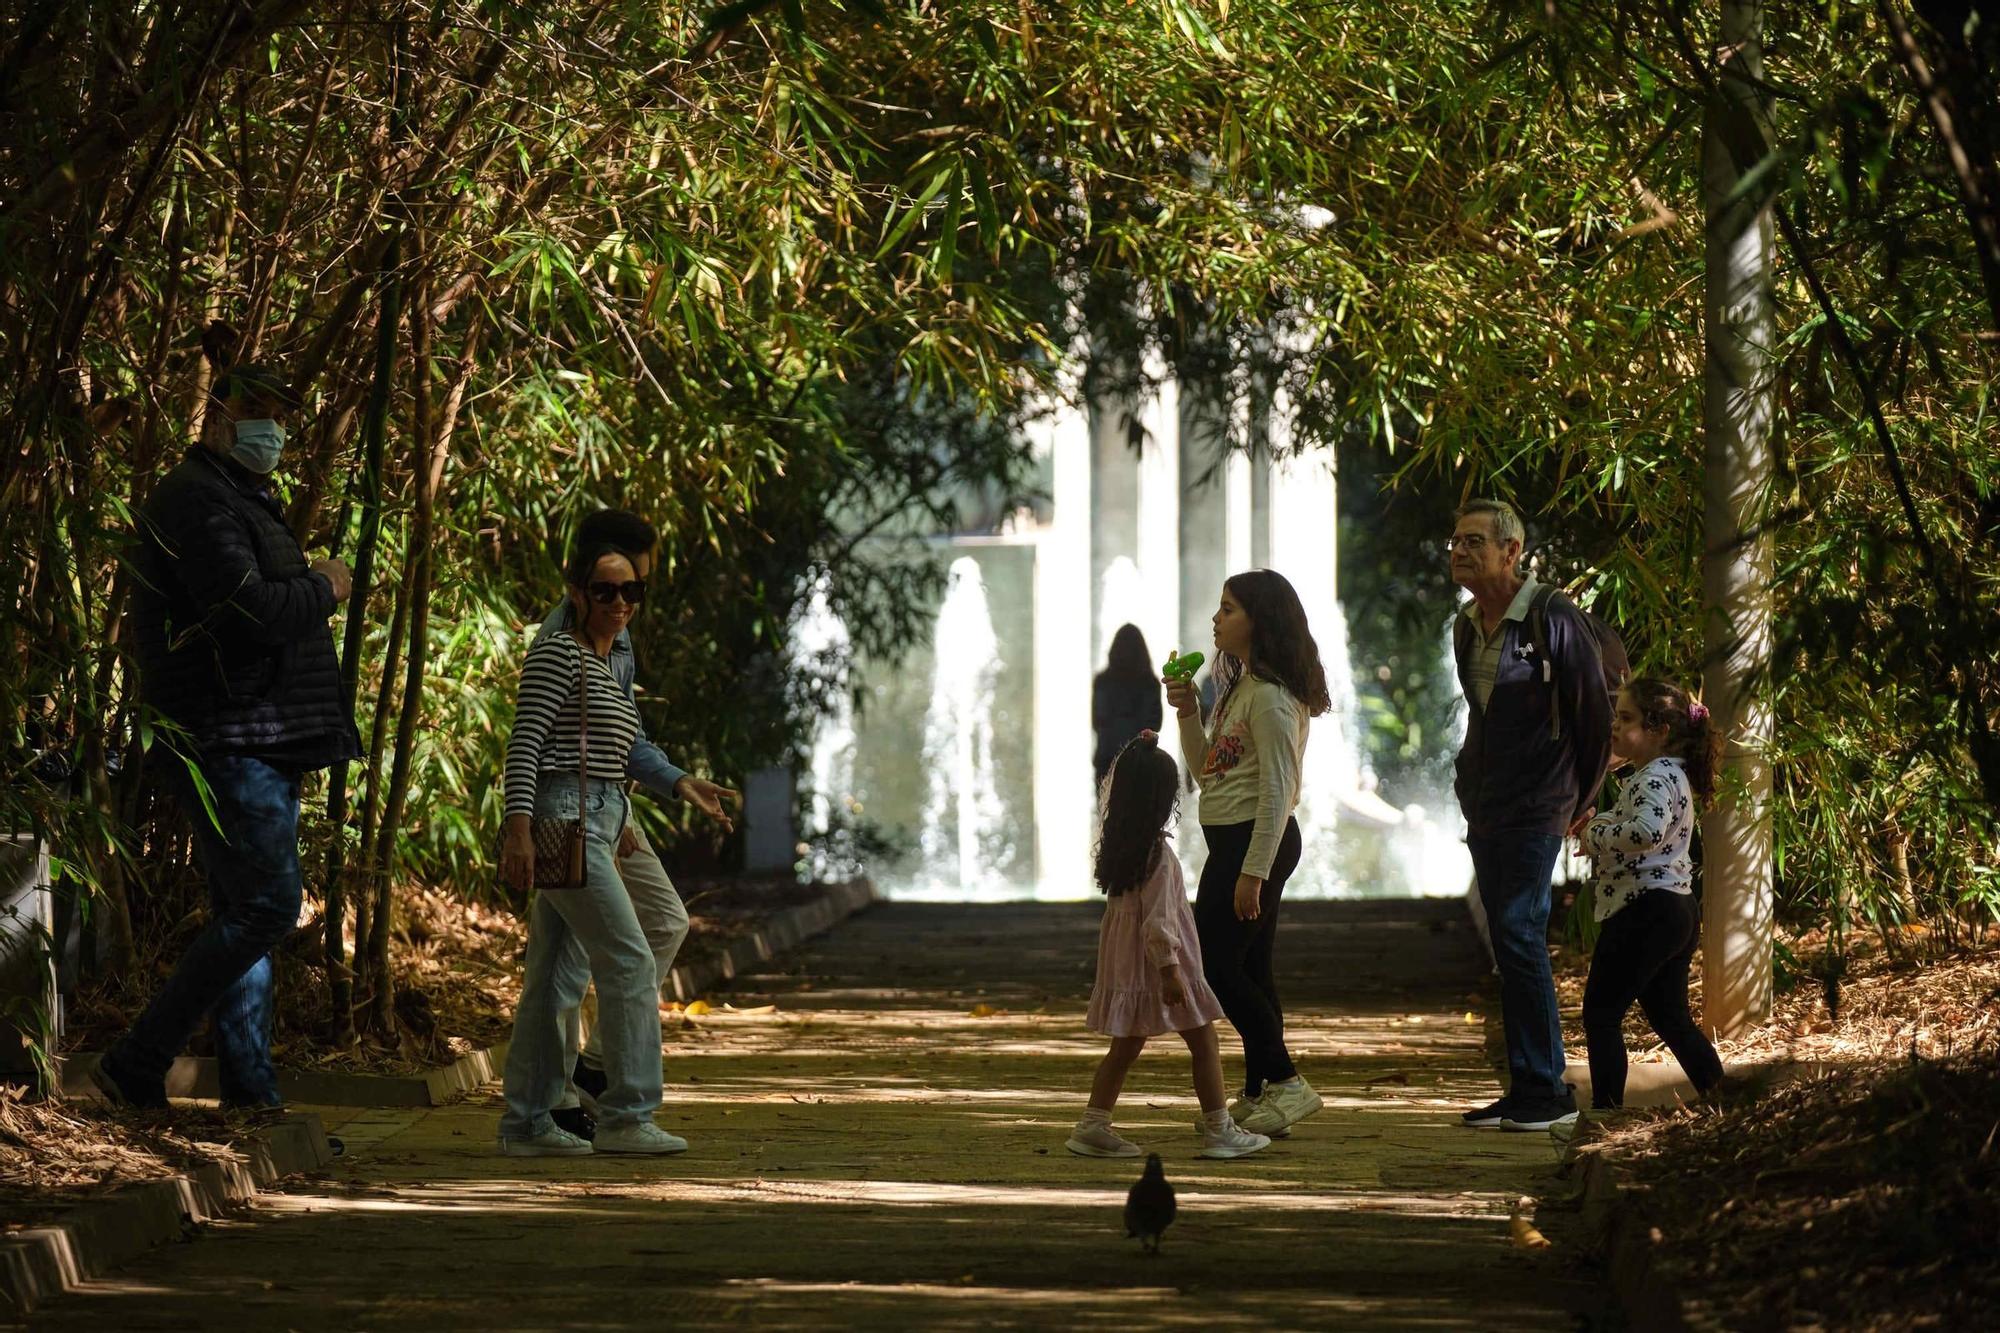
[336, 574]
[517, 854]
[708, 797]
[1172, 989]
[1249, 897]
[1180, 693]
[628, 841]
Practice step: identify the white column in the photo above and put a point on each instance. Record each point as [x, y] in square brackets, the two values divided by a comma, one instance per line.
[1204, 509]
[1063, 658]
[1111, 499]
[1159, 508]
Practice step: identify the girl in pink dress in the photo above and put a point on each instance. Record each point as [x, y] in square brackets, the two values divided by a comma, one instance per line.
[1149, 979]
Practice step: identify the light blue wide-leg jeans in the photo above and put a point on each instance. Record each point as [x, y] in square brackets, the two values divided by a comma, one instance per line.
[600, 918]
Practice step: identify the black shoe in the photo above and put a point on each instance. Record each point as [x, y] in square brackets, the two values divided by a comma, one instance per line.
[1487, 1117]
[117, 1092]
[1540, 1113]
[590, 1084]
[576, 1120]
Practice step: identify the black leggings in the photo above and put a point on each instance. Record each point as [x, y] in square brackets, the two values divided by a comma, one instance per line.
[1643, 954]
[1236, 955]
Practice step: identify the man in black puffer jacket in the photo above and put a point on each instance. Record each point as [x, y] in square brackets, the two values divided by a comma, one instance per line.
[234, 649]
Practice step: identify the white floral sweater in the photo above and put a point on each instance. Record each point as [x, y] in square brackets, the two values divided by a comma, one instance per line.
[1641, 844]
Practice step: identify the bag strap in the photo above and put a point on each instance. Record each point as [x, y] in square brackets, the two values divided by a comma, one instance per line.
[582, 728]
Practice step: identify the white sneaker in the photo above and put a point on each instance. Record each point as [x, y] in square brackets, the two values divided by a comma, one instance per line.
[1282, 1106]
[1099, 1140]
[552, 1142]
[1232, 1140]
[641, 1136]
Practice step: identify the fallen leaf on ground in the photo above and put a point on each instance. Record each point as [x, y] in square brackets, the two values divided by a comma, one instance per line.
[699, 1008]
[985, 1011]
[1520, 1231]
[1398, 1077]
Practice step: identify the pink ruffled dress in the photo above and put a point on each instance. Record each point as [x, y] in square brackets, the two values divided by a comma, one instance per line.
[1144, 929]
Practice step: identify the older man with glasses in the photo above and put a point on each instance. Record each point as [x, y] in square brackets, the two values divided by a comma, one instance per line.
[1537, 741]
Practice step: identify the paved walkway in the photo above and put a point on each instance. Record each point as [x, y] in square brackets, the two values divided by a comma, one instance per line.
[871, 1153]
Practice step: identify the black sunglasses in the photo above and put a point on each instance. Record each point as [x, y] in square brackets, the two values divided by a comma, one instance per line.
[604, 592]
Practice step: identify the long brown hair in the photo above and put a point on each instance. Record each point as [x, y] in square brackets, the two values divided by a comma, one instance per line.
[1144, 790]
[1690, 737]
[1128, 658]
[1281, 643]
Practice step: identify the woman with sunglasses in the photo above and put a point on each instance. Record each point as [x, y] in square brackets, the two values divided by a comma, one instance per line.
[549, 748]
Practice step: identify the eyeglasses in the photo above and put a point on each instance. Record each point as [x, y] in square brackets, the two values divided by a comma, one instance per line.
[604, 592]
[1466, 541]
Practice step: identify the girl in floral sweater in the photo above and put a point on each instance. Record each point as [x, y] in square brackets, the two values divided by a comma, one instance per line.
[1645, 886]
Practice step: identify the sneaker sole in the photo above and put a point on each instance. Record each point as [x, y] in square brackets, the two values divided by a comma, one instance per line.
[1537, 1126]
[536, 1150]
[1086, 1150]
[638, 1152]
[1224, 1154]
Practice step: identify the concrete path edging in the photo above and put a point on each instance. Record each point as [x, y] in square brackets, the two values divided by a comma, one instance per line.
[40, 1263]
[784, 930]
[196, 1077]
[193, 1076]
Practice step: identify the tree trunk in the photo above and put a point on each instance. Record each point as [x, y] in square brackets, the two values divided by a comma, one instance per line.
[1738, 406]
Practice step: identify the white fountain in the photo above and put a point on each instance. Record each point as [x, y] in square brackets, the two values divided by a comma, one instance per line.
[963, 838]
[819, 635]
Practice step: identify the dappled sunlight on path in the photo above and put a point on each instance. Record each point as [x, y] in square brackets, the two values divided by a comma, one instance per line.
[871, 1153]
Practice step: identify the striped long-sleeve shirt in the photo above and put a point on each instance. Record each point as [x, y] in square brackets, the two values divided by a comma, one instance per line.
[544, 739]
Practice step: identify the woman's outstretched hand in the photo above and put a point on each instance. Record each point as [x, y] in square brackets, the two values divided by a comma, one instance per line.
[708, 797]
[1249, 897]
[1180, 693]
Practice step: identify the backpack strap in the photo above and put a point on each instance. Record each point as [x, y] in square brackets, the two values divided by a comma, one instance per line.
[1538, 639]
[1461, 649]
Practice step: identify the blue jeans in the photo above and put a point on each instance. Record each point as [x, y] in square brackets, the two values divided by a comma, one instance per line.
[1513, 870]
[252, 864]
[600, 918]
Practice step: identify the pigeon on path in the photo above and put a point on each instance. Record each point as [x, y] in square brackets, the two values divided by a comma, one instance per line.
[1149, 1208]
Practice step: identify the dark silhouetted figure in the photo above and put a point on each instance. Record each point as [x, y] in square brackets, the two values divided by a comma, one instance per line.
[1124, 699]
[1149, 1208]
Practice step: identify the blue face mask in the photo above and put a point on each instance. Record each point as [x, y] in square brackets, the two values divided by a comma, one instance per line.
[258, 444]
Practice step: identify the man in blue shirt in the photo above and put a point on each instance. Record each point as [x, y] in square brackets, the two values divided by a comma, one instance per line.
[661, 913]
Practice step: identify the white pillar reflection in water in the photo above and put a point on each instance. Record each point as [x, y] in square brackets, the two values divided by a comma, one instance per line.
[963, 837]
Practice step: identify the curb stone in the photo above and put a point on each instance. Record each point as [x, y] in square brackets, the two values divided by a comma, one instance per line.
[783, 930]
[40, 1263]
[196, 1077]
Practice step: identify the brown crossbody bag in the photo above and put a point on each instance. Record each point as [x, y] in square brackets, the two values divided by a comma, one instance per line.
[559, 860]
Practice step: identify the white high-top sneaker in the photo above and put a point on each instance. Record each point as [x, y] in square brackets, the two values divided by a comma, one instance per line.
[1282, 1106]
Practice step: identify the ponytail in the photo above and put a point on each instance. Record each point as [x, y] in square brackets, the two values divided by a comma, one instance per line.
[1691, 735]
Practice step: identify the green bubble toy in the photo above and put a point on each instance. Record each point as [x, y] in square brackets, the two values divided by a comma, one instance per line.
[1183, 666]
